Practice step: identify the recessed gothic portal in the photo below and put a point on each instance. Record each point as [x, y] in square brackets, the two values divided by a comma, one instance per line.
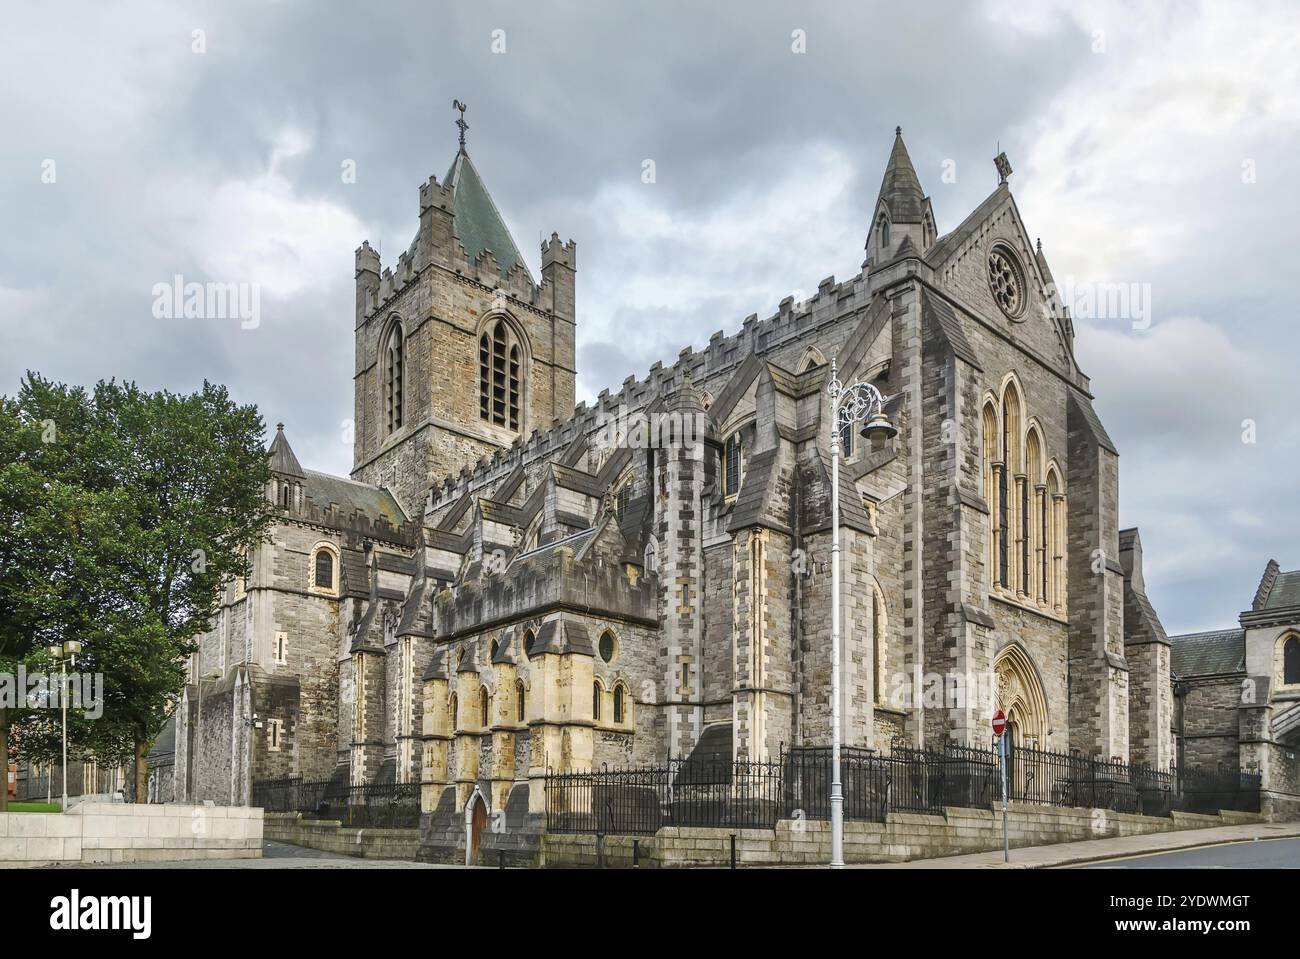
[1020, 697]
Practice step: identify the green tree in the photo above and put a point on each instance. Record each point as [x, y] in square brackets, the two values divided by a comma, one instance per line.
[165, 493]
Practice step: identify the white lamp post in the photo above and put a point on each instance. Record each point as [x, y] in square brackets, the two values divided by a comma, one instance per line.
[855, 403]
[68, 650]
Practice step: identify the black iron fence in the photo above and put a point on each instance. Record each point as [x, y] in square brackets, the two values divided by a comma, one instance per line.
[756, 794]
[681, 793]
[375, 805]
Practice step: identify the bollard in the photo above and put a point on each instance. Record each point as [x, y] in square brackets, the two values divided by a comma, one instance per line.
[501, 859]
[600, 850]
[636, 853]
[733, 850]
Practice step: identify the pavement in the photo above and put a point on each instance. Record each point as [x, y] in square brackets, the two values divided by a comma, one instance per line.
[1116, 850]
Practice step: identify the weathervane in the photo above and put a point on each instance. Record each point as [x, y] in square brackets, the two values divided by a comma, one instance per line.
[457, 105]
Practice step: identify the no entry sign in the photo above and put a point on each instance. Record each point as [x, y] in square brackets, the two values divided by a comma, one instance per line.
[999, 723]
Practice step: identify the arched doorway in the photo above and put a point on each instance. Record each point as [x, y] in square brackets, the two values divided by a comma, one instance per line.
[476, 814]
[1020, 697]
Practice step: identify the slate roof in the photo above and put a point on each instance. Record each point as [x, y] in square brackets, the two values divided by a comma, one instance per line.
[478, 223]
[1285, 591]
[372, 501]
[900, 189]
[1211, 653]
[280, 454]
[1094, 423]
[940, 313]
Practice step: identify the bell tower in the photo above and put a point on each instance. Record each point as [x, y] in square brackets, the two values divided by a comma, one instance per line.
[459, 350]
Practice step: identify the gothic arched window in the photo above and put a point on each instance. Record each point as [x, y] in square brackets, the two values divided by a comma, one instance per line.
[1031, 546]
[1010, 492]
[595, 701]
[731, 466]
[324, 569]
[484, 707]
[500, 376]
[394, 377]
[520, 701]
[1291, 661]
[619, 696]
[1055, 522]
[992, 480]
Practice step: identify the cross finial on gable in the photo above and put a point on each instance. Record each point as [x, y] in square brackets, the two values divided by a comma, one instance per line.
[457, 105]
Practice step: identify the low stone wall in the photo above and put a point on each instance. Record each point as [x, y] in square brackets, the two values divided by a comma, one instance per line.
[902, 837]
[104, 832]
[331, 836]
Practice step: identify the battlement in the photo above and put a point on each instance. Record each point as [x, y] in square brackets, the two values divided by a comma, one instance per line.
[333, 517]
[547, 580]
[367, 258]
[562, 254]
[434, 195]
[450, 254]
[722, 355]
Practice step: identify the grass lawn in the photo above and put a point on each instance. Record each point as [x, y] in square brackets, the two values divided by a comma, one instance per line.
[33, 807]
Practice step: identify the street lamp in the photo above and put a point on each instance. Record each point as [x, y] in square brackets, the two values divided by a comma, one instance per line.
[856, 403]
[63, 652]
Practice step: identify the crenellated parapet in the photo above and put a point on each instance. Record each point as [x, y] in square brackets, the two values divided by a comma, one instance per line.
[720, 358]
[335, 517]
[547, 581]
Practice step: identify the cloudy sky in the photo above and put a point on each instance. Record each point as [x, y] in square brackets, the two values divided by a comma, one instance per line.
[1153, 144]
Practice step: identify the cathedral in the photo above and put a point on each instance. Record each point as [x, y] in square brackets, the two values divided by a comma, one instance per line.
[509, 584]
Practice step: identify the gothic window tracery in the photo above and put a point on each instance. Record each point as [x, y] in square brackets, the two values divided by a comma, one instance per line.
[1027, 505]
[1006, 281]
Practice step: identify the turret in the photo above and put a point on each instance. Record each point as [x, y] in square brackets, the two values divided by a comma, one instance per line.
[902, 209]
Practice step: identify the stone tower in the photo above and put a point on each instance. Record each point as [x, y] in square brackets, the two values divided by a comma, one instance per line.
[459, 351]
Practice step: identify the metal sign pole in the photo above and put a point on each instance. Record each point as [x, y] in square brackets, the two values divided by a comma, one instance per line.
[1002, 753]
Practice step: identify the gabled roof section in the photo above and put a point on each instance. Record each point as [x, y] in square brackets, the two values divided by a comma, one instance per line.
[1215, 653]
[736, 387]
[950, 242]
[281, 455]
[352, 497]
[900, 190]
[477, 221]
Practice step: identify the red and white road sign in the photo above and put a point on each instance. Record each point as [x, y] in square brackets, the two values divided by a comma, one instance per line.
[999, 723]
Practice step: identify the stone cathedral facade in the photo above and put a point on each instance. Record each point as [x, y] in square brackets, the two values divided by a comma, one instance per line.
[509, 584]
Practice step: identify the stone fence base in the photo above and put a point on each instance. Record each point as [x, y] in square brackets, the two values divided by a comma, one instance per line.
[103, 832]
[902, 837]
[332, 836]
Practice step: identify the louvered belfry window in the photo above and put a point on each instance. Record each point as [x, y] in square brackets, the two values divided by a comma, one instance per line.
[500, 373]
[394, 374]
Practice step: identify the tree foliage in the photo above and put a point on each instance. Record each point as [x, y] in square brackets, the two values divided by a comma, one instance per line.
[122, 514]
